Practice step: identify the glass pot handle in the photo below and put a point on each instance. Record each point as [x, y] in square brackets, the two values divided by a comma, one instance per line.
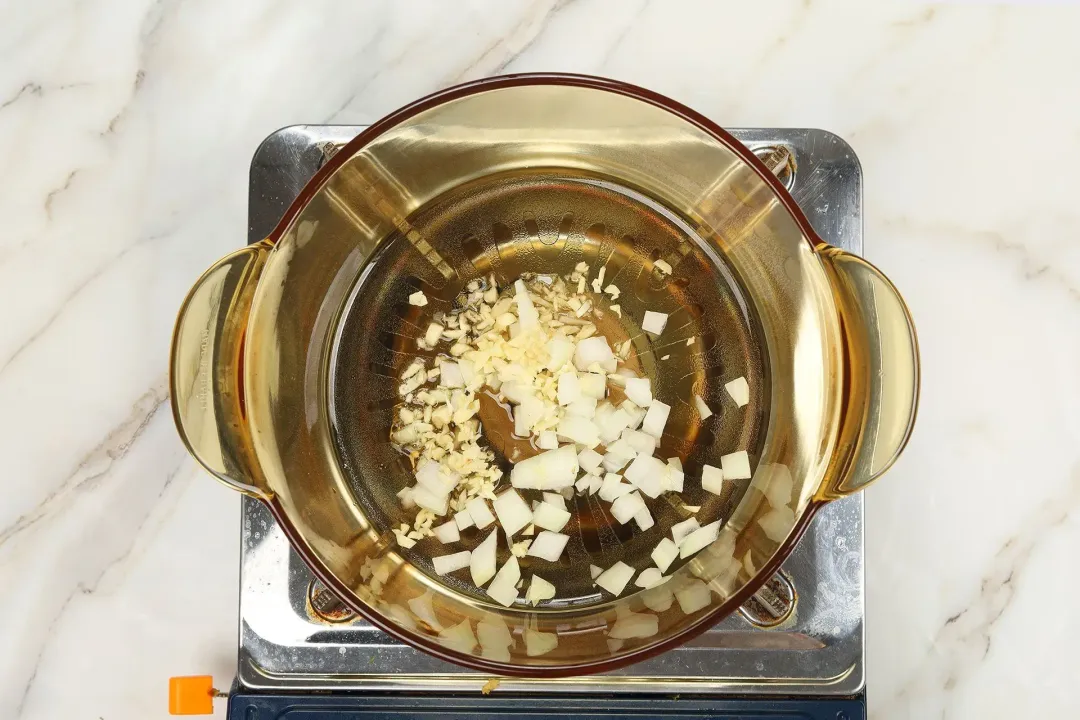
[205, 370]
[882, 373]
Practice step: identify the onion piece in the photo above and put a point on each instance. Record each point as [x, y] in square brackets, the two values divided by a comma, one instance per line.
[459, 637]
[555, 499]
[428, 500]
[594, 350]
[447, 532]
[513, 512]
[547, 440]
[703, 410]
[503, 588]
[594, 571]
[736, 465]
[479, 512]
[643, 443]
[550, 470]
[433, 333]
[694, 596]
[569, 388]
[673, 479]
[482, 562]
[539, 590]
[675, 462]
[777, 523]
[636, 413]
[615, 578]
[739, 390]
[612, 488]
[405, 496]
[529, 412]
[656, 419]
[580, 430]
[494, 633]
[712, 479]
[700, 538]
[463, 520]
[647, 474]
[449, 563]
[664, 554]
[681, 529]
[527, 315]
[450, 374]
[618, 454]
[594, 484]
[589, 460]
[548, 545]
[418, 298]
[550, 517]
[644, 519]
[593, 385]
[654, 322]
[538, 643]
[639, 391]
[611, 425]
[634, 625]
[650, 577]
[560, 351]
[584, 407]
[625, 507]
[657, 599]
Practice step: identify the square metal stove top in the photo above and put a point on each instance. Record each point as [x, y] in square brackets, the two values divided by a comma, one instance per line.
[817, 650]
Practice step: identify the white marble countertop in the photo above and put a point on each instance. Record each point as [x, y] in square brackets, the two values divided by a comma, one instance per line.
[126, 128]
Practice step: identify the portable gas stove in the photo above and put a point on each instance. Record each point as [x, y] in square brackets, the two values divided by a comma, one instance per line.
[794, 651]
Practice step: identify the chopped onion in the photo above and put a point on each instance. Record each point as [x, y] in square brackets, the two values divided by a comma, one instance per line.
[527, 414]
[637, 414]
[479, 512]
[681, 529]
[739, 390]
[612, 488]
[625, 507]
[712, 479]
[619, 453]
[643, 443]
[433, 333]
[594, 484]
[654, 322]
[675, 462]
[548, 545]
[418, 298]
[589, 460]
[547, 440]
[482, 562]
[438, 483]
[582, 407]
[463, 520]
[579, 430]
[527, 315]
[468, 373]
[569, 389]
[550, 470]
[594, 350]
[405, 496]
[595, 571]
[429, 500]
[538, 643]
[777, 523]
[673, 479]
[555, 499]
[658, 599]
[703, 410]
[656, 418]
[639, 391]
[460, 637]
[612, 424]
[550, 517]
[494, 633]
[593, 385]
[650, 577]
[644, 519]
[450, 374]
[634, 625]
[694, 596]
[664, 554]
[736, 465]
[503, 588]
[700, 538]
[539, 590]
[560, 351]
[615, 578]
[582, 484]
[447, 533]
[647, 474]
[449, 563]
[513, 512]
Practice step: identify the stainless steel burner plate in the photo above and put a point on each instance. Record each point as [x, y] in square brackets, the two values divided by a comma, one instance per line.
[817, 650]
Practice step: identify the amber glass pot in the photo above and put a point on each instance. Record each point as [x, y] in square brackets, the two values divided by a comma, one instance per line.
[286, 353]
